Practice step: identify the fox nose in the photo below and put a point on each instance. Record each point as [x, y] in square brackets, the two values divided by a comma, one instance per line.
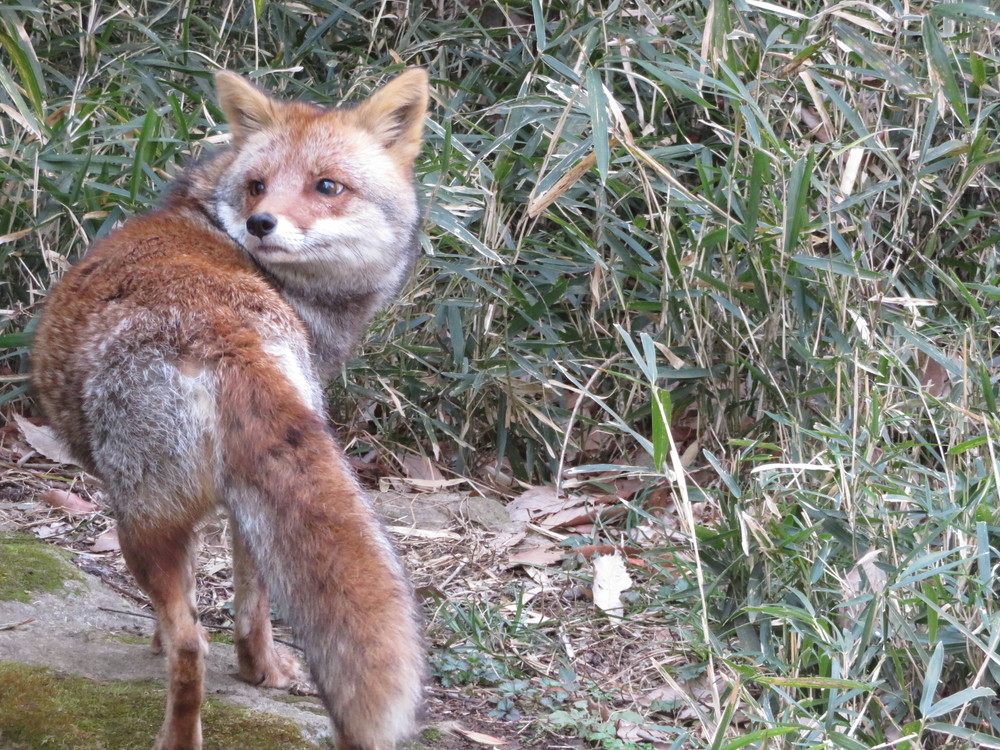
[261, 225]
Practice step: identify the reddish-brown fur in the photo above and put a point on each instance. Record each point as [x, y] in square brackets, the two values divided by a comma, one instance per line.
[178, 373]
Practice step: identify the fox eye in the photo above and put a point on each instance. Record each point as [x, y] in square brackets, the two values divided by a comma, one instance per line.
[256, 187]
[329, 187]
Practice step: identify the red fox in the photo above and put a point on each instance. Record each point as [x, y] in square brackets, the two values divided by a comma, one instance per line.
[181, 360]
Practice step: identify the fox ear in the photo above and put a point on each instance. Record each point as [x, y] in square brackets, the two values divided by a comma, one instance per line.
[247, 108]
[395, 113]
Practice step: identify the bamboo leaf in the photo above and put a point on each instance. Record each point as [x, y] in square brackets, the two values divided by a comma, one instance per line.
[932, 678]
[797, 200]
[957, 700]
[942, 73]
[597, 106]
[18, 48]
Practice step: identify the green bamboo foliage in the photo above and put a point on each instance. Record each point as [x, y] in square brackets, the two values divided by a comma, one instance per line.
[745, 249]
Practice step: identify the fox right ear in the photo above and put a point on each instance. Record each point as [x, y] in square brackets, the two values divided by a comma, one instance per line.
[395, 113]
[247, 108]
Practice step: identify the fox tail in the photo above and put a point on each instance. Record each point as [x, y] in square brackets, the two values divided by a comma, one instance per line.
[326, 560]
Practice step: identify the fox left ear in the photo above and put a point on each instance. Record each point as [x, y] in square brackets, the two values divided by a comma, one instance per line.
[247, 108]
[395, 113]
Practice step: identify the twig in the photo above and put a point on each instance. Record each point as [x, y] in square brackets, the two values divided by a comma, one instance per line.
[126, 612]
[12, 625]
[125, 592]
[217, 628]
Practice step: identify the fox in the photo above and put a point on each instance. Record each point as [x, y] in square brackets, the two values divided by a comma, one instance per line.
[182, 360]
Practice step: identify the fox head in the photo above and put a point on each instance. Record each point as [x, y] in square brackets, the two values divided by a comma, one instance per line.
[311, 192]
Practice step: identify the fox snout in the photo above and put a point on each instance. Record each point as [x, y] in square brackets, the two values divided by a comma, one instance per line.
[261, 225]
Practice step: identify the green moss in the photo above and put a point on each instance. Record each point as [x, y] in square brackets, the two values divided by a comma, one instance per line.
[220, 636]
[29, 566]
[431, 734]
[42, 709]
[308, 703]
[130, 638]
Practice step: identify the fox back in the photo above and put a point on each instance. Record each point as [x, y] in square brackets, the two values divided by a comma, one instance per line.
[180, 361]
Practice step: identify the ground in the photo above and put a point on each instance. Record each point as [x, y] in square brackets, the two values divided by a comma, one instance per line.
[523, 653]
[75, 631]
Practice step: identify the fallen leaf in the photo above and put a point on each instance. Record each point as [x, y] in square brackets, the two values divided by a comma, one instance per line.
[424, 533]
[421, 468]
[44, 440]
[478, 737]
[68, 501]
[610, 580]
[588, 551]
[524, 615]
[691, 699]
[626, 489]
[106, 542]
[632, 732]
[537, 501]
[581, 515]
[663, 694]
[935, 378]
[49, 530]
[535, 555]
[864, 577]
[504, 540]
[543, 506]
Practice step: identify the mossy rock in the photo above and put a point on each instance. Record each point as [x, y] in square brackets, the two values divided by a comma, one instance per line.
[29, 566]
[41, 708]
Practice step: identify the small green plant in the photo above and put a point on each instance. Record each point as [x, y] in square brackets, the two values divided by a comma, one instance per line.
[466, 666]
[579, 719]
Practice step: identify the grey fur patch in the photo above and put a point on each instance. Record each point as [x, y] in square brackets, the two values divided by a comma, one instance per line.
[151, 425]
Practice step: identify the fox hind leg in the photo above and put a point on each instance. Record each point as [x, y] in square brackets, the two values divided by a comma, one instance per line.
[157, 643]
[261, 661]
[161, 563]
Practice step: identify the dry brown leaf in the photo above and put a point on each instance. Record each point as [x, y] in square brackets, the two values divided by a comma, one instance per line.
[422, 468]
[535, 502]
[632, 732]
[695, 696]
[502, 541]
[935, 378]
[567, 518]
[588, 551]
[864, 577]
[478, 737]
[579, 516]
[106, 542]
[664, 694]
[543, 506]
[44, 440]
[543, 554]
[68, 501]
[598, 440]
[626, 489]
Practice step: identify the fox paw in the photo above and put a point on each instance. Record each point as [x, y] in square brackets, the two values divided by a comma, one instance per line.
[303, 687]
[157, 643]
[277, 667]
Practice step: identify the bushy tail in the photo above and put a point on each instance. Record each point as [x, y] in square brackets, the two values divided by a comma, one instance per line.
[327, 562]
